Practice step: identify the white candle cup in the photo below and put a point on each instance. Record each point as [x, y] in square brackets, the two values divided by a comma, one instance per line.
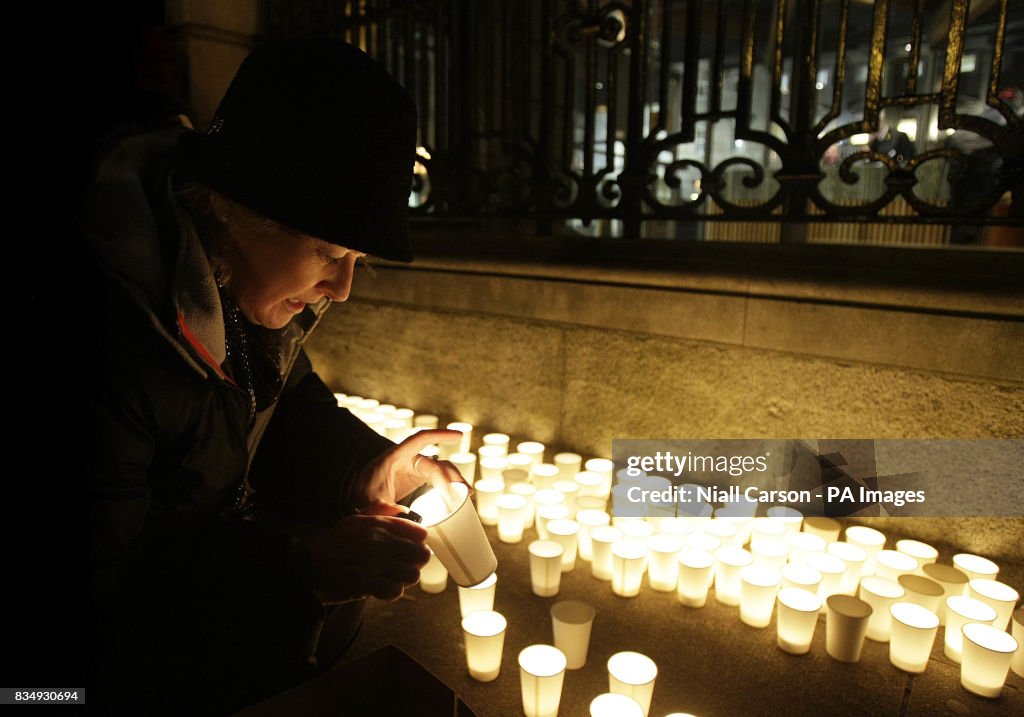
[455, 534]
[433, 576]
[352, 402]
[639, 531]
[627, 567]
[740, 522]
[825, 528]
[589, 520]
[699, 541]
[520, 461]
[492, 468]
[922, 591]
[803, 577]
[696, 571]
[796, 620]
[466, 465]
[846, 624]
[854, 558]
[548, 496]
[789, 517]
[663, 562]
[729, 563]
[570, 489]
[492, 451]
[869, 540]
[545, 567]
[633, 675]
[427, 421]
[892, 563]
[511, 517]
[498, 440]
[880, 594]
[464, 442]
[375, 421]
[961, 610]
[725, 530]
[568, 465]
[487, 491]
[680, 527]
[571, 623]
[975, 566]
[533, 449]
[367, 405]
[953, 582]
[484, 633]
[403, 414]
[803, 545]
[999, 596]
[528, 491]
[601, 542]
[340, 399]
[589, 502]
[603, 467]
[912, 636]
[758, 586]
[386, 409]
[544, 475]
[1017, 665]
[771, 555]
[565, 532]
[988, 652]
[831, 569]
[923, 553]
[395, 430]
[765, 531]
[541, 673]
[623, 505]
[612, 705]
[545, 514]
[654, 488]
[511, 476]
[478, 597]
[591, 484]
[696, 511]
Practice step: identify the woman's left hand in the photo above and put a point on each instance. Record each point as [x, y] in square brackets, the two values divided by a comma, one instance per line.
[401, 470]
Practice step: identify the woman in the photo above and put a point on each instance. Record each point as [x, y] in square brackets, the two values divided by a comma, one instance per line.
[228, 498]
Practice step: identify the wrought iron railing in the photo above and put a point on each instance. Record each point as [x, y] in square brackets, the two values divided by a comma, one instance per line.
[665, 117]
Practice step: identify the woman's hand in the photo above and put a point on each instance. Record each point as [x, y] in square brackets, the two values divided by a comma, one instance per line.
[401, 470]
[368, 555]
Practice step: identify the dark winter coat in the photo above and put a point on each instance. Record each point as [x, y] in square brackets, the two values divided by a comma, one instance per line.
[193, 612]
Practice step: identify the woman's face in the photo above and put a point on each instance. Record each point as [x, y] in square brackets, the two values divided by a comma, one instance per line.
[274, 277]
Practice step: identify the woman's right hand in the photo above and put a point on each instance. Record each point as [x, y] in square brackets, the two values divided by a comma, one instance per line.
[368, 555]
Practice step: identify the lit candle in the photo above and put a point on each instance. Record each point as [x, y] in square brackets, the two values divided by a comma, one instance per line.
[570, 489]
[892, 563]
[433, 576]
[466, 465]
[520, 461]
[492, 467]
[352, 403]
[831, 569]
[988, 652]
[498, 440]
[478, 597]
[825, 528]
[765, 531]
[544, 475]
[680, 527]
[699, 541]
[975, 566]
[528, 491]
[601, 541]
[922, 591]
[484, 633]
[912, 636]
[403, 414]
[771, 555]
[487, 491]
[603, 467]
[374, 421]
[961, 610]
[797, 618]
[1017, 665]
[663, 562]
[571, 623]
[639, 531]
[568, 465]
[462, 446]
[511, 517]
[803, 545]
[533, 449]
[999, 596]
[867, 539]
[547, 513]
[729, 562]
[339, 398]
[612, 705]
[846, 624]
[425, 420]
[758, 586]
[742, 524]
[655, 488]
[953, 582]
[630, 477]
[591, 484]
[632, 674]
[854, 558]
[880, 593]
[541, 673]
[696, 571]
[511, 476]
[589, 502]
[803, 577]
[725, 530]
[565, 532]
[789, 517]
[921, 552]
[589, 520]
[492, 451]
[545, 567]
[395, 430]
[455, 534]
[627, 567]
[385, 409]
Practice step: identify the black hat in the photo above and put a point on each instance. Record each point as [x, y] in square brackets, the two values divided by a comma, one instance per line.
[313, 133]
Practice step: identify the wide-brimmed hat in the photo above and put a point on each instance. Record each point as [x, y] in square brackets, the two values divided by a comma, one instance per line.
[315, 134]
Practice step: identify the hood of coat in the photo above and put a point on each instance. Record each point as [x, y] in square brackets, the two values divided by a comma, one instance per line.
[138, 232]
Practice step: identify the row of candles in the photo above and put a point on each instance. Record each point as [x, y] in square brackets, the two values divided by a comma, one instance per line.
[784, 564]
